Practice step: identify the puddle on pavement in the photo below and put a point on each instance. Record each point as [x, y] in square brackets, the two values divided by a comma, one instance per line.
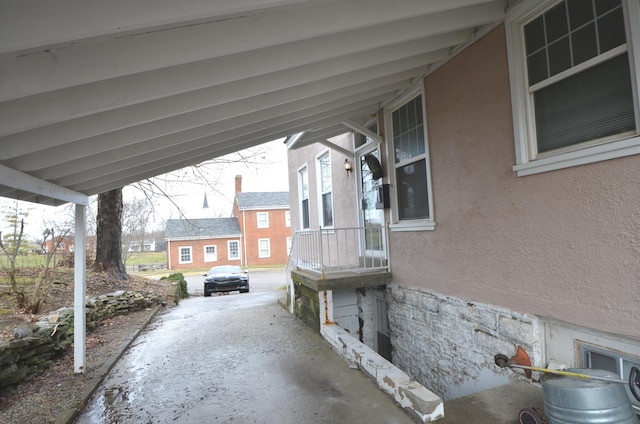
[110, 405]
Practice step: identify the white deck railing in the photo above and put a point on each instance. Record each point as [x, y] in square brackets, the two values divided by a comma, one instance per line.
[356, 249]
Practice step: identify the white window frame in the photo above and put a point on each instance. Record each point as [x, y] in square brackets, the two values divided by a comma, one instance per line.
[190, 260]
[262, 219]
[522, 109]
[268, 248]
[287, 219]
[211, 257]
[229, 251]
[289, 245]
[302, 171]
[322, 191]
[425, 224]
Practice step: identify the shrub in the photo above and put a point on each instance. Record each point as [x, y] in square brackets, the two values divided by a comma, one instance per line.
[181, 286]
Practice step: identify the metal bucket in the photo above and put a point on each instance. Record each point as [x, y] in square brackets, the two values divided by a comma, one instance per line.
[569, 400]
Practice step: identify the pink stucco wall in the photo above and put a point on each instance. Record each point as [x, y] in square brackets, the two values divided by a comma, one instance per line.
[563, 244]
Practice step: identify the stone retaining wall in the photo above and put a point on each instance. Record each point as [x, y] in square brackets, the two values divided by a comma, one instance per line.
[448, 344]
[32, 349]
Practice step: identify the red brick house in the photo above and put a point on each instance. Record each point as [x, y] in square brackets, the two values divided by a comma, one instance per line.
[202, 243]
[265, 223]
[259, 233]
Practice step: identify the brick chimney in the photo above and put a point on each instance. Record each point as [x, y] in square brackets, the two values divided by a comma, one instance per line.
[238, 184]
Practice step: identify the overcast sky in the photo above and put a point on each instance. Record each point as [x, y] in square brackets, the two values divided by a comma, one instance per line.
[270, 175]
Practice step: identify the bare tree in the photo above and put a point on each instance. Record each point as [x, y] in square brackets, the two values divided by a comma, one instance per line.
[109, 235]
[109, 222]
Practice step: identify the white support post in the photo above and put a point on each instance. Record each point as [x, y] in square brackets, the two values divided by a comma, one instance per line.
[79, 314]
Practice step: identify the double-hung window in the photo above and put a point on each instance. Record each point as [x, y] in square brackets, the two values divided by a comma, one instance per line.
[264, 248]
[413, 208]
[233, 249]
[263, 219]
[303, 190]
[325, 201]
[184, 255]
[572, 82]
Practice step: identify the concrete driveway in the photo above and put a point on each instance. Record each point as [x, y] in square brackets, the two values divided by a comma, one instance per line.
[236, 358]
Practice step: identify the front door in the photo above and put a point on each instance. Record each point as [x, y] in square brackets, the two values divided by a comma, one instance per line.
[371, 218]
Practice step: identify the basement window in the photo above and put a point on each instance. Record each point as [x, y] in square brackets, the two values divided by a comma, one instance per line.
[613, 361]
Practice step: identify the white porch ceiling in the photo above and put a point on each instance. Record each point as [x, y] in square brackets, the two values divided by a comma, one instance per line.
[98, 94]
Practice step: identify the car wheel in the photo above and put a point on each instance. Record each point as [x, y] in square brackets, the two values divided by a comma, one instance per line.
[207, 294]
[244, 291]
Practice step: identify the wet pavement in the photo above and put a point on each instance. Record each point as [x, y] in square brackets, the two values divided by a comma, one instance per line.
[235, 359]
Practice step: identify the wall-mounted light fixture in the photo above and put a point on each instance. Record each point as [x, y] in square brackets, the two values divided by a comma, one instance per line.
[348, 166]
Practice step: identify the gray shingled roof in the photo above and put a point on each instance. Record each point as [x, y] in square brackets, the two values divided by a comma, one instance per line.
[202, 228]
[263, 200]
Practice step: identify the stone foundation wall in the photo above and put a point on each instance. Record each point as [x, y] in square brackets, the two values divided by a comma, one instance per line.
[32, 349]
[448, 344]
[307, 306]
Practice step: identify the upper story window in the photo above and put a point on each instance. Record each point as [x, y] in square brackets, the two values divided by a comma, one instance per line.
[303, 190]
[572, 82]
[413, 209]
[287, 219]
[325, 201]
[263, 219]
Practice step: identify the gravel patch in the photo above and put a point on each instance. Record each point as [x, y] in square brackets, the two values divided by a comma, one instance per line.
[57, 394]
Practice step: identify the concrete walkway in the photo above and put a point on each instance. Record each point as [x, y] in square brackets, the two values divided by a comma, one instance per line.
[243, 359]
[237, 358]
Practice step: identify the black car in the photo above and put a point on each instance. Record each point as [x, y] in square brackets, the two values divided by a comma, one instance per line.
[226, 278]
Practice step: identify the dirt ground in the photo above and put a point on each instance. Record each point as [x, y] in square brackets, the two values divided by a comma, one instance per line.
[48, 396]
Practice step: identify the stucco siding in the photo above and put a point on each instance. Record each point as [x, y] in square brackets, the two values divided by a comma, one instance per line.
[343, 183]
[563, 244]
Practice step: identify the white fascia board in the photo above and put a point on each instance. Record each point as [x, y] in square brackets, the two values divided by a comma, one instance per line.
[25, 182]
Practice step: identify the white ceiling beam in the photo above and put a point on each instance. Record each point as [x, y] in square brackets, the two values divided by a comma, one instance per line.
[365, 67]
[335, 147]
[81, 100]
[155, 163]
[312, 29]
[31, 24]
[91, 167]
[87, 155]
[24, 182]
[51, 71]
[363, 130]
[252, 109]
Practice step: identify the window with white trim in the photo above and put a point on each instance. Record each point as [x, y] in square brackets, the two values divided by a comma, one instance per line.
[413, 206]
[303, 190]
[184, 255]
[287, 219]
[572, 82]
[233, 247]
[289, 243]
[264, 248]
[325, 197]
[263, 219]
[210, 253]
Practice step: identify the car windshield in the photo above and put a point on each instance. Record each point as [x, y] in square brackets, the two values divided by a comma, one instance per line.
[225, 270]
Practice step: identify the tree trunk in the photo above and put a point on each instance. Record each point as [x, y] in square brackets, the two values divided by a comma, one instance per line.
[109, 235]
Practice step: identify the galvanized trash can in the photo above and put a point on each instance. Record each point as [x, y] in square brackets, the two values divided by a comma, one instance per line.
[570, 400]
